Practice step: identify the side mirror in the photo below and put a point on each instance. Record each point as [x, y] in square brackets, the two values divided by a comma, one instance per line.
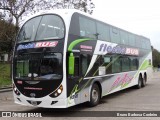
[71, 64]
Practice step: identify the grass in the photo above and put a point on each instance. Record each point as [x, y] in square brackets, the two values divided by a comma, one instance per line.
[5, 79]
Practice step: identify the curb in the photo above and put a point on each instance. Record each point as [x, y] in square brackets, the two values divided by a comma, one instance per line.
[6, 89]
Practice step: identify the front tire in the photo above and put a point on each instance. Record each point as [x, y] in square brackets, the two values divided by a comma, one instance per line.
[94, 95]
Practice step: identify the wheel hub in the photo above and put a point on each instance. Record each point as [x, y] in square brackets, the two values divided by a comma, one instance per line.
[95, 95]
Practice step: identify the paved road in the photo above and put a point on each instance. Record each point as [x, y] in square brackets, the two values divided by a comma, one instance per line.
[145, 99]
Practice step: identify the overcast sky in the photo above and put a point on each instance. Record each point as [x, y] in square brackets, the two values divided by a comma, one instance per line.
[137, 16]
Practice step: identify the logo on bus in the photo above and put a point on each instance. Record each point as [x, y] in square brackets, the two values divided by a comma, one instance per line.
[46, 44]
[104, 48]
[74, 96]
[112, 49]
[37, 45]
[131, 51]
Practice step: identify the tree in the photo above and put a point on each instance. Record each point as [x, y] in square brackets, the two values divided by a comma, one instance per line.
[14, 10]
[7, 35]
[156, 57]
[18, 8]
[83, 5]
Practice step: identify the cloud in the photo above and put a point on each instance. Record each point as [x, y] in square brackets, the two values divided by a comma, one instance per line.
[141, 17]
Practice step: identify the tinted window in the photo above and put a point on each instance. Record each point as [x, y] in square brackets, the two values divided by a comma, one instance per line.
[138, 42]
[131, 38]
[28, 31]
[114, 35]
[41, 67]
[50, 27]
[116, 66]
[134, 63]
[77, 66]
[125, 64]
[85, 63]
[124, 37]
[144, 45]
[43, 28]
[148, 44]
[87, 27]
[95, 68]
[107, 63]
[74, 25]
[103, 32]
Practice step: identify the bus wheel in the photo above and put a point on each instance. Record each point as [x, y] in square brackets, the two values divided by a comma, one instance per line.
[139, 85]
[144, 80]
[94, 95]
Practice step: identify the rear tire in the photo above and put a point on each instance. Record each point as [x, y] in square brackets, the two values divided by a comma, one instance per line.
[94, 95]
[139, 85]
[144, 80]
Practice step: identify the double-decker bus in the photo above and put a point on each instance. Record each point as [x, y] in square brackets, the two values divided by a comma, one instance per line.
[65, 57]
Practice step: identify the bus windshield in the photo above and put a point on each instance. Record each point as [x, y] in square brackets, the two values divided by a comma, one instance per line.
[38, 66]
[42, 28]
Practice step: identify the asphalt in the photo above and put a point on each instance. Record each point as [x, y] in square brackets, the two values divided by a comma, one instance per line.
[5, 89]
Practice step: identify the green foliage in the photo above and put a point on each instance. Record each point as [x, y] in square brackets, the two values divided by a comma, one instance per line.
[5, 78]
[15, 10]
[156, 57]
[7, 35]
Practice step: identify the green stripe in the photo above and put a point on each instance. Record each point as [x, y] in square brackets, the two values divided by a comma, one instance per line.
[74, 43]
[145, 65]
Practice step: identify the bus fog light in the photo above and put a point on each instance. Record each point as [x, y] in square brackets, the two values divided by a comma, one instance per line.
[56, 94]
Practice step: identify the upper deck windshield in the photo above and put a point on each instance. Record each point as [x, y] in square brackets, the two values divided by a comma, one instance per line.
[42, 28]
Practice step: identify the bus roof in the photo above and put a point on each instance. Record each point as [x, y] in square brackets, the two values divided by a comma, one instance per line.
[60, 12]
[70, 12]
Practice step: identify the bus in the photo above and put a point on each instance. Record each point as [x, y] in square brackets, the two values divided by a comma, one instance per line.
[66, 57]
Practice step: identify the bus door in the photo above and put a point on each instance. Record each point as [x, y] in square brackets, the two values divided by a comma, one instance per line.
[73, 75]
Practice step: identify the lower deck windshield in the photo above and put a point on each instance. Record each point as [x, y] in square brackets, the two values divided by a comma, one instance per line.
[38, 66]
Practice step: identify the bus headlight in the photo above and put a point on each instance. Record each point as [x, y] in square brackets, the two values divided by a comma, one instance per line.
[57, 92]
[15, 90]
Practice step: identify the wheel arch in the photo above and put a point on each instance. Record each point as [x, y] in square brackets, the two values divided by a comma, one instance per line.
[98, 82]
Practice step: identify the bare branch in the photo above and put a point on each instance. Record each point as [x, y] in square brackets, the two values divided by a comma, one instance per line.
[15, 10]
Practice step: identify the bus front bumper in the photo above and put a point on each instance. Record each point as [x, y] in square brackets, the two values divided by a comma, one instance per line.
[41, 102]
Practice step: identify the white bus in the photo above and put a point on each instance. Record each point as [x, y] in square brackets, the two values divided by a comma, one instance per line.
[65, 57]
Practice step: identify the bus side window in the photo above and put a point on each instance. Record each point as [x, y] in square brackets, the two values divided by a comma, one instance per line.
[77, 67]
[95, 68]
[84, 64]
[116, 66]
[106, 63]
[125, 64]
[134, 64]
[87, 27]
[85, 61]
